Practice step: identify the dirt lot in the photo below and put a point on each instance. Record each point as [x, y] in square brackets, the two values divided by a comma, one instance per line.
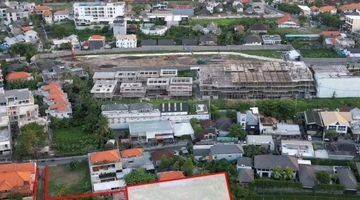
[66, 180]
[114, 62]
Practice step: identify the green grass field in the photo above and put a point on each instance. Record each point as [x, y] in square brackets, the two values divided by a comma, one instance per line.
[73, 141]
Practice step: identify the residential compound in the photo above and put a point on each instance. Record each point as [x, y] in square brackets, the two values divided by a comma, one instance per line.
[56, 99]
[89, 13]
[17, 178]
[119, 115]
[20, 107]
[140, 84]
[257, 80]
[11, 11]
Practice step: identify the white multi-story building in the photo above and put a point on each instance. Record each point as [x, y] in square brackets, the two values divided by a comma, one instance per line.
[119, 115]
[20, 107]
[87, 13]
[105, 170]
[5, 134]
[352, 23]
[126, 41]
[11, 11]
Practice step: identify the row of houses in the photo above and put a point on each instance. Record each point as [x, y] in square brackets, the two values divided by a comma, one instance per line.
[304, 171]
[339, 122]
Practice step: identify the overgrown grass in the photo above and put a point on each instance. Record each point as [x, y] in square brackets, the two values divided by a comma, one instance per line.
[265, 53]
[66, 180]
[319, 53]
[73, 141]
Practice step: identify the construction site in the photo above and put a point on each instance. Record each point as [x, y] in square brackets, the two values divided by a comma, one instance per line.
[257, 80]
[218, 76]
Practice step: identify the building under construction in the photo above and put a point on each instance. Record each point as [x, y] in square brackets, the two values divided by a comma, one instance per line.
[257, 80]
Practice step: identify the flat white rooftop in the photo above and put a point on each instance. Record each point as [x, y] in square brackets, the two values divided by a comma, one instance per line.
[104, 86]
[209, 187]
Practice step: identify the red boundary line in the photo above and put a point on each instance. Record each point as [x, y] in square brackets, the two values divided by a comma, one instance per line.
[124, 191]
[76, 196]
[228, 186]
[36, 185]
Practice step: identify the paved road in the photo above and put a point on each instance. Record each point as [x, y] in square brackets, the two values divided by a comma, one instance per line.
[157, 49]
[59, 161]
[329, 61]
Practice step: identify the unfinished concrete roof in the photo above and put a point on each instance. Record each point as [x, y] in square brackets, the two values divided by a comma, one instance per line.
[254, 72]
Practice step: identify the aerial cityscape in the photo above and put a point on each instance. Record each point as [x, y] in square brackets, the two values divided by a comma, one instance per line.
[180, 99]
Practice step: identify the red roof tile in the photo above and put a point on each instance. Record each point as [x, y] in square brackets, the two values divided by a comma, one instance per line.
[17, 76]
[171, 175]
[110, 156]
[129, 153]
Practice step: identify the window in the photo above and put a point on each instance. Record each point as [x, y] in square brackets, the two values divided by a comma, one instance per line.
[341, 128]
[332, 128]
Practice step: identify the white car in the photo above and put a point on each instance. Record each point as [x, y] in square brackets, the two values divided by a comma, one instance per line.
[309, 138]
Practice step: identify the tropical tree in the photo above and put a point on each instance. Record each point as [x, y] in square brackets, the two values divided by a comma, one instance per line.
[331, 134]
[32, 138]
[253, 150]
[289, 174]
[236, 130]
[323, 177]
[277, 173]
[139, 176]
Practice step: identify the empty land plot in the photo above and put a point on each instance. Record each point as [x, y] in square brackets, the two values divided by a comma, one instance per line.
[69, 179]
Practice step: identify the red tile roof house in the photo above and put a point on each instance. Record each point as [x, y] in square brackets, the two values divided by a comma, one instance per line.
[59, 105]
[96, 42]
[328, 9]
[105, 170]
[350, 8]
[19, 76]
[17, 178]
[288, 22]
[170, 175]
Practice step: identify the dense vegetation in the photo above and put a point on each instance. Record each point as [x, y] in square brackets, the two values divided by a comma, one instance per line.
[32, 138]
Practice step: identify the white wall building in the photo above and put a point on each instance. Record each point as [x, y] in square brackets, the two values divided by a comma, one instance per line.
[5, 134]
[265, 141]
[298, 148]
[336, 121]
[126, 41]
[335, 81]
[119, 115]
[151, 29]
[87, 13]
[105, 169]
[352, 23]
[20, 107]
[11, 11]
